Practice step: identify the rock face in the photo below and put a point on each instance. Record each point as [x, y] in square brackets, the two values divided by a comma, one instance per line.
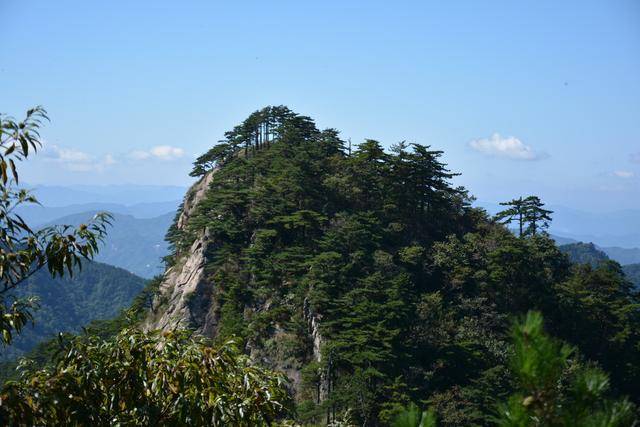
[195, 194]
[185, 296]
[189, 298]
[314, 329]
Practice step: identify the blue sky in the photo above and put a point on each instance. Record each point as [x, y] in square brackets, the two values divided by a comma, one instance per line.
[539, 98]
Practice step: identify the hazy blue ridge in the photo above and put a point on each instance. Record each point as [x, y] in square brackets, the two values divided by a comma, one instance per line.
[606, 229]
[624, 256]
[135, 244]
[126, 194]
[632, 271]
[39, 215]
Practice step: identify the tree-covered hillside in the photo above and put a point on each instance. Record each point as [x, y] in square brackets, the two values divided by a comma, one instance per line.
[584, 253]
[369, 279]
[588, 253]
[97, 291]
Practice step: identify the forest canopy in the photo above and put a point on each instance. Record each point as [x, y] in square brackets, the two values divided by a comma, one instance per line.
[411, 288]
[369, 279]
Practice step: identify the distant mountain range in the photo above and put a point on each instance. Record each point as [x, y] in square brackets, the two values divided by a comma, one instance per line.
[588, 253]
[607, 229]
[39, 215]
[135, 244]
[98, 291]
[624, 256]
[129, 194]
[142, 215]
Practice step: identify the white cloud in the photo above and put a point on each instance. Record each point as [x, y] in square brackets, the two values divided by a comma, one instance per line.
[54, 152]
[160, 152]
[139, 155]
[166, 152]
[79, 161]
[624, 174]
[509, 147]
[75, 160]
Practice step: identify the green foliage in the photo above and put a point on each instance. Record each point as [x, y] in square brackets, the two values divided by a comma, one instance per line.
[369, 274]
[414, 417]
[15, 317]
[539, 363]
[212, 158]
[584, 253]
[528, 213]
[538, 360]
[142, 378]
[599, 311]
[23, 251]
[66, 304]
[45, 352]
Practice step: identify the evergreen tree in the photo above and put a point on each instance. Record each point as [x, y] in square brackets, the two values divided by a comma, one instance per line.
[544, 397]
[535, 216]
[514, 212]
[371, 276]
[211, 159]
[528, 213]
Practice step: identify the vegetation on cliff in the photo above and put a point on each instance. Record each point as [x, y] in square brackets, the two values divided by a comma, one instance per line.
[369, 279]
[130, 378]
[411, 289]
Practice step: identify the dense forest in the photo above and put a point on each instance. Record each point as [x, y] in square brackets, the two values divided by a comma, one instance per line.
[370, 275]
[97, 291]
[584, 253]
[588, 253]
[371, 282]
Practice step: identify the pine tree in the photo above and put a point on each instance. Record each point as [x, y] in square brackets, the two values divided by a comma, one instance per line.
[539, 363]
[528, 213]
[211, 159]
[535, 216]
[514, 212]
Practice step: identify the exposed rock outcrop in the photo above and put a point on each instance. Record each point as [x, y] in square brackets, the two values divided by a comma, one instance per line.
[185, 295]
[188, 298]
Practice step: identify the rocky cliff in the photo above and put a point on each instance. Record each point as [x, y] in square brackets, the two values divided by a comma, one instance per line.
[184, 285]
[317, 260]
[188, 297]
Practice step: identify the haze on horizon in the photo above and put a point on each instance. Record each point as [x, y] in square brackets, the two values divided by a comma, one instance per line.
[542, 99]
